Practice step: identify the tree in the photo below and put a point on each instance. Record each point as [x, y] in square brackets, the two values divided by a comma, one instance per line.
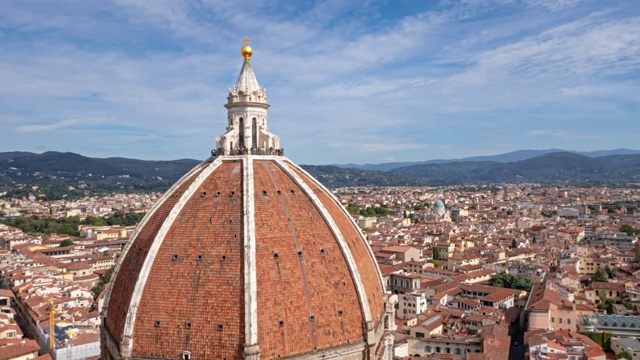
[353, 209]
[626, 228]
[600, 275]
[107, 275]
[602, 295]
[514, 244]
[436, 253]
[624, 355]
[506, 280]
[96, 290]
[66, 242]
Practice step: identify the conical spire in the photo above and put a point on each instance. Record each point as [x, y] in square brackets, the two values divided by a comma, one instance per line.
[246, 88]
[247, 131]
[247, 82]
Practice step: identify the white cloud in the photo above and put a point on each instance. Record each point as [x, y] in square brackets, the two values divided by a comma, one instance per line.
[62, 124]
[553, 5]
[591, 47]
[371, 87]
[538, 132]
[562, 134]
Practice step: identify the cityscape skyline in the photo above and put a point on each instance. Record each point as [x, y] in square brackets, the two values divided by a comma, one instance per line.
[347, 82]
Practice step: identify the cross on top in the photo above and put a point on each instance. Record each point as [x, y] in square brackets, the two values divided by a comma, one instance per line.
[246, 40]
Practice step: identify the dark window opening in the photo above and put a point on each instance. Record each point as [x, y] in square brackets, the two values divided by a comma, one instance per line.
[241, 132]
[254, 133]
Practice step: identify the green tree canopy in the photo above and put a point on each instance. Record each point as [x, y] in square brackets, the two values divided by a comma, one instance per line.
[353, 209]
[506, 280]
[626, 228]
[66, 242]
[96, 290]
[69, 225]
[375, 211]
[107, 275]
[600, 275]
[624, 355]
[380, 210]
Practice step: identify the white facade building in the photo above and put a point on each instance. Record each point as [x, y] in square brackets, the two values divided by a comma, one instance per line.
[411, 304]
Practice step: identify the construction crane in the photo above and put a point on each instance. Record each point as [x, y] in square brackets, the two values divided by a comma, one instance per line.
[52, 330]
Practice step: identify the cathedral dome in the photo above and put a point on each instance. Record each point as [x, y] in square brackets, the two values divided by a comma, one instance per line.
[247, 256]
[438, 204]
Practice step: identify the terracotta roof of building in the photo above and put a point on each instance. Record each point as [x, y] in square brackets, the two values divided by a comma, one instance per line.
[6, 293]
[27, 346]
[607, 286]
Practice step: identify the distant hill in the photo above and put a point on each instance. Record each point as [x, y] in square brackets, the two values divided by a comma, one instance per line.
[513, 156]
[59, 170]
[549, 168]
[559, 167]
[70, 169]
[14, 154]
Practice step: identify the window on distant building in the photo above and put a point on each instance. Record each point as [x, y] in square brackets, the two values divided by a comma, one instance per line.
[569, 321]
[560, 320]
[553, 320]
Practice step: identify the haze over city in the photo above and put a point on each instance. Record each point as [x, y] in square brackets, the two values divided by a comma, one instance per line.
[348, 81]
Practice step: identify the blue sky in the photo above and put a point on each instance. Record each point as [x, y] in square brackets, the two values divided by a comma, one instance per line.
[348, 81]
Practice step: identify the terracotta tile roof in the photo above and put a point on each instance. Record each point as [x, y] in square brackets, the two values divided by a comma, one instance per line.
[307, 298]
[608, 286]
[23, 348]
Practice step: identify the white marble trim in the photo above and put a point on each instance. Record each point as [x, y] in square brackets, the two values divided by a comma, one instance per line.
[249, 234]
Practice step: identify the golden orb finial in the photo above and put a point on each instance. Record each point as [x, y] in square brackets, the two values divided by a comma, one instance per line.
[246, 50]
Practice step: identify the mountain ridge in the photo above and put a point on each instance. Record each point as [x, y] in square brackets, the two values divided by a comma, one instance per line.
[123, 174]
[512, 156]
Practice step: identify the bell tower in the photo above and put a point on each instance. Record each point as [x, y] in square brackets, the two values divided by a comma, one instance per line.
[247, 131]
